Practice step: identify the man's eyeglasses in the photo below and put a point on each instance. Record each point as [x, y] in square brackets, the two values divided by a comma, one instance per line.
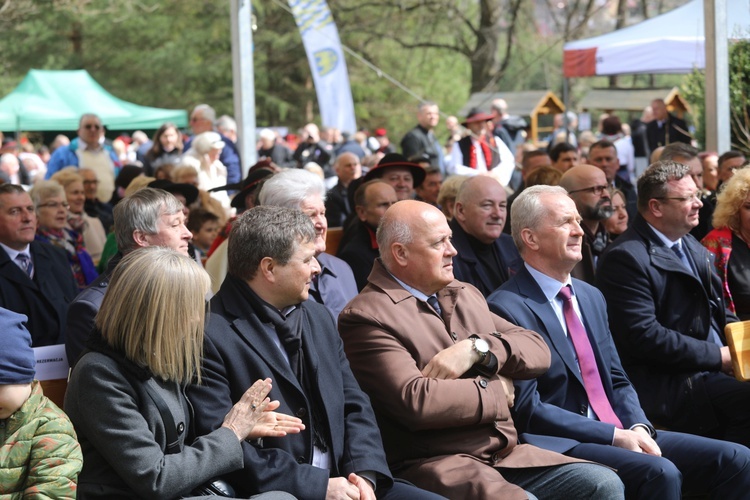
[95, 126]
[596, 190]
[682, 199]
[54, 204]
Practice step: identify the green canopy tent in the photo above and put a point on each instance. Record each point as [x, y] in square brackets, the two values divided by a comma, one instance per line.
[55, 100]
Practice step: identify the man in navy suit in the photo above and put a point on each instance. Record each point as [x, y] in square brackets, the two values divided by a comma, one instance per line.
[35, 277]
[262, 325]
[486, 256]
[585, 406]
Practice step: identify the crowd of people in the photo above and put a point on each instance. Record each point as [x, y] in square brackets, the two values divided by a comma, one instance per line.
[459, 314]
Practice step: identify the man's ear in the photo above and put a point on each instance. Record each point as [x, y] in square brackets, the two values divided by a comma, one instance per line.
[400, 254]
[654, 206]
[140, 238]
[267, 268]
[458, 211]
[360, 212]
[530, 239]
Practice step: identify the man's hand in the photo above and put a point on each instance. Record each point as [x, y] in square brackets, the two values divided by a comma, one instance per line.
[452, 362]
[726, 361]
[637, 440]
[340, 488]
[363, 485]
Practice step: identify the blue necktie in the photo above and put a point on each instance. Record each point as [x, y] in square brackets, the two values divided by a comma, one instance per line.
[24, 262]
[433, 301]
[683, 258]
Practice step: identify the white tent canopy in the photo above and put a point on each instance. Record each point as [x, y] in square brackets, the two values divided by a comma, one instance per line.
[670, 43]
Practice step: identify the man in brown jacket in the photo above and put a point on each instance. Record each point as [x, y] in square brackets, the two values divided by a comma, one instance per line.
[437, 365]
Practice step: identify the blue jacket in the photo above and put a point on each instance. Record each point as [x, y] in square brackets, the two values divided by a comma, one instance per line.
[551, 411]
[65, 156]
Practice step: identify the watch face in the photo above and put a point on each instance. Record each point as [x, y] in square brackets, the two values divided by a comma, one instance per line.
[481, 345]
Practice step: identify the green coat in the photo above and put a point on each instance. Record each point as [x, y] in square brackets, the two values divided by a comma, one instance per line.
[39, 452]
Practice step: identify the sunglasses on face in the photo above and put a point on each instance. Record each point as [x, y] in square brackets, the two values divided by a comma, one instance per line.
[94, 126]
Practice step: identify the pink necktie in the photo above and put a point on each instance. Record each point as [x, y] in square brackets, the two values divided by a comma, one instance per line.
[592, 381]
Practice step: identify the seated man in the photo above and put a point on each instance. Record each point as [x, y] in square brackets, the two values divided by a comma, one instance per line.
[301, 190]
[587, 187]
[667, 313]
[438, 365]
[585, 401]
[486, 257]
[147, 217]
[262, 325]
[35, 277]
[399, 173]
[358, 246]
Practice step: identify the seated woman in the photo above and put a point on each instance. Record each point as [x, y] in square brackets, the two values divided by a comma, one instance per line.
[52, 227]
[618, 221]
[729, 242]
[166, 148]
[91, 228]
[124, 390]
[203, 155]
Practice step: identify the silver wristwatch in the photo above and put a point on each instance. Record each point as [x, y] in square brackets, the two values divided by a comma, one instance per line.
[480, 346]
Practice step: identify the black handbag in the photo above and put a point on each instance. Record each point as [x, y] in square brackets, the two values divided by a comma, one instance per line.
[215, 487]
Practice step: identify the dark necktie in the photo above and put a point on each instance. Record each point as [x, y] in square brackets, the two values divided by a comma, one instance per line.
[433, 301]
[592, 380]
[683, 258]
[25, 263]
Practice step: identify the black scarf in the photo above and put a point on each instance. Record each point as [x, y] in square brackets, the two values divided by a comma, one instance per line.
[289, 328]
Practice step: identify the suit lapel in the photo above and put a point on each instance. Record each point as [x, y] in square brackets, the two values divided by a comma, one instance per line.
[542, 309]
[14, 273]
[258, 338]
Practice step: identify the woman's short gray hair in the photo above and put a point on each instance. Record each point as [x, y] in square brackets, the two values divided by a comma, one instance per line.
[289, 188]
[44, 190]
[527, 211]
[141, 211]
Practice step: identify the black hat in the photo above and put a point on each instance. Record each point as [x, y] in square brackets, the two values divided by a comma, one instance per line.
[189, 191]
[257, 174]
[396, 160]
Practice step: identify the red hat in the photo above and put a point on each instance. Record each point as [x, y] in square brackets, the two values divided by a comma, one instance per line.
[380, 132]
[477, 116]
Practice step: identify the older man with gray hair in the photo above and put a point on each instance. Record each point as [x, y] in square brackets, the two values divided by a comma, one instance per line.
[334, 286]
[203, 119]
[148, 217]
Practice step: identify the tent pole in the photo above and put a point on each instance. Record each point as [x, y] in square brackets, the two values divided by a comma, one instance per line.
[243, 78]
[717, 116]
[566, 103]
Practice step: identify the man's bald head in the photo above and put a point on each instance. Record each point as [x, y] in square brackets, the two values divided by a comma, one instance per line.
[482, 208]
[587, 186]
[414, 240]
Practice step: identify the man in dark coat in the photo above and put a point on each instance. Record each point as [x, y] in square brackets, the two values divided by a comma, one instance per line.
[486, 256]
[358, 247]
[35, 278]
[665, 128]
[667, 313]
[421, 139]
[261, 325]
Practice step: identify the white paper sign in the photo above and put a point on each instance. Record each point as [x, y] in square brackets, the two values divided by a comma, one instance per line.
[51, 362]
